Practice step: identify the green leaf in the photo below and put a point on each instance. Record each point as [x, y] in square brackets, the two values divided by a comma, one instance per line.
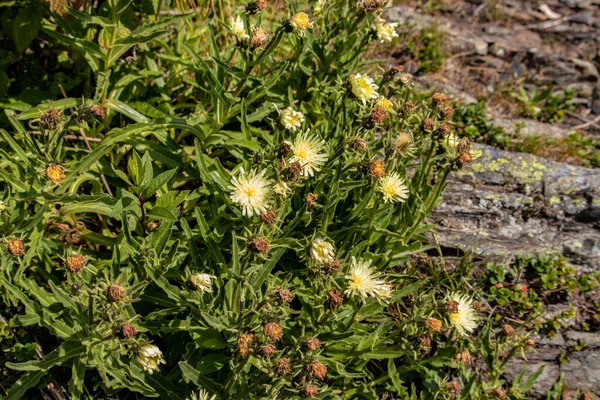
[27, 24]
[157, 182]
[395, 377]
[127, 110]
[262, 272]
[17, 391]
[212, 362]
[77, 378]
[61, 354]
[162, 213]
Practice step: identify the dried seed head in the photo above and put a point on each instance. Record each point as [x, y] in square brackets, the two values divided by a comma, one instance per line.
[377, 115]
[448, 111]
[453, 388]
[245, 342]
[99, 111]
[311, 391]
[439, 98]
[283, 366]
[75, 263]
[273, 331]
[311, 200]
[406, 107]
[429, 125]
[391, 73]
[259, 245]
[508, 330]
[424, 341]
[284, 149]
[377, 169]
[334, 266]
[499, 393]
[402, 142]
[433, 324]
[359, 144]
[465, 158]
[335, 299]
[259, 37]
[463, 357]
[370, 5]
[128, 330]
[294, 170]
[268, 217]
[587, 396]
[285, 295]
[477, 306]
[444, 129]
[313, 344]
[452, 306]
[406, 79]
[15, 246]
[50, 119]
[318, 370]
[530, 342]
[464, 146]
[268, 350]
[55, 173]
[256, 6]
[115, 293]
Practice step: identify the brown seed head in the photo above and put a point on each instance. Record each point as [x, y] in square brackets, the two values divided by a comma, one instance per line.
[448, 111]
[268, 350]
[477, 306]
[256, 6]
[313, 344]
[429, 125]
[115, 293]
[268, 217]
[245, 342]
[439, 98]
[55, 173]
[75, 263]
[452, 306]
[273, 331]
[284, 149]
[465, 158]
[311, 200]
[378, 114]
[99, 111]
[50, 119]
[444, 129]
[464, 146]
[259, 37]
[15, 246]
[587, 396]
[318, 370]
[335, 299]
[283, 366]
[464, 357]
[406, 79]
[285, 295]
[259, 245]
[293, 170]
[370, 5]
[377, 169]
[392, 72]
[433, 324]
[409, 105]
[128, 330]
[453, 388]
[424, 341]
[311, 391]
[508, 330]
[530, 342]
[359, 144]
[402, 142]
[499, 393]
[334, 266]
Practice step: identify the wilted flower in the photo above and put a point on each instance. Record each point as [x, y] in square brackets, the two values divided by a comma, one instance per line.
[238, 28]
[311, 391]
[453, 388]
[202, 282]
[444, 129]
[268, 217]
[429, 125]
[318, 369]
[245, 341]
[424, 341]
[268, 350]
[465, 318]
[322, 251]
[359, 144]
[363, 87]
[99, 111]
[75, 263]
[386, 31]
[150, 357]
[283, 366]
[451, 306]
[259, 244]
[335, 299]
[259, 37]
[433, 324]
[439, 98]
[377, 169]
[300, 21]
[50, 119]
[256, 6]
[448, 111]
[15, 246]
[370, 5]
[313, 344]
[406, 79]
[463, 357]
[499, 393]
[508, 330]
[285, 295]
[252, 192]
[273, 331]
[291, 119]
[309, 151]
[115, 293]
[282, 189]
[403, 143]
[55, 173]
[364, 281]
[334, 266]
[128, 330]
[393, 188]
[311, 200]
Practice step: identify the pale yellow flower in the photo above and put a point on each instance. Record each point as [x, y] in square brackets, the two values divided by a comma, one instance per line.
[322, 251]
[465, 318]
[363, 87]
[252, 192]
[393, 188]
[237, 27]
[300, 21]
[291, 119]
[150, 357]
[309, 152]
[386, 31]
[364, 282]
[282, 189]
[202, 282]
[384, 104]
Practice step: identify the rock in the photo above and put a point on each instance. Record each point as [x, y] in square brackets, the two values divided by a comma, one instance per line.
[529, 127]
[582, 371]
[544, 383]
[590, 339]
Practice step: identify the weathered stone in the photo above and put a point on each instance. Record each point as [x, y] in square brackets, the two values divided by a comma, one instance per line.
[543, 384]
[582, 371]
[589, 339]
[528, 127]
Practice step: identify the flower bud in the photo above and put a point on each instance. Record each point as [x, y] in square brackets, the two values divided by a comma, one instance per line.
[75, 263]
[273, 331]
[377, 169]
[464, 357]
[128, 330]
[429, 125]
[150, 357]
[268, 350]
[283, 366]
[202, 282]
[99, 111]
[259, 37]
[259, 245]
[424, 341]
[530, 342]
[433, 324]
[15, 246]
[508, 330]
[313, 344]
[453, 388]
[115, 293]
[311, 391]
[285, 295]
[318, 370]
[311, 200]
[402, 143]
[245, 342]
[452, 306]
[499, 393]
[256, 6]
[55, 173]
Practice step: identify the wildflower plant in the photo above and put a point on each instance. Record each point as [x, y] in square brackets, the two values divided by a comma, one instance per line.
[227, 207]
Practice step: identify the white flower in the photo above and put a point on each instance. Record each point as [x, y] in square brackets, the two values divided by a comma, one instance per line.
[322, 251]
[282, 189]
[202, 282]
[150, 357]
[386, 31]
[252, 192]
[2, 206]
[291, 119]
[300, 21]
[203, 395]
[237, 27]
[363, 87]
[465, 318]
[452, 141]
[393, 188]
[309, 152]
[384, 104]
[364, 282]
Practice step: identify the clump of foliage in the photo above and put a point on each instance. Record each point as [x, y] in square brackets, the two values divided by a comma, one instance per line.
[425, 47]
[472, 122]
[544, 105]
[225, 206]
[574, 149]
